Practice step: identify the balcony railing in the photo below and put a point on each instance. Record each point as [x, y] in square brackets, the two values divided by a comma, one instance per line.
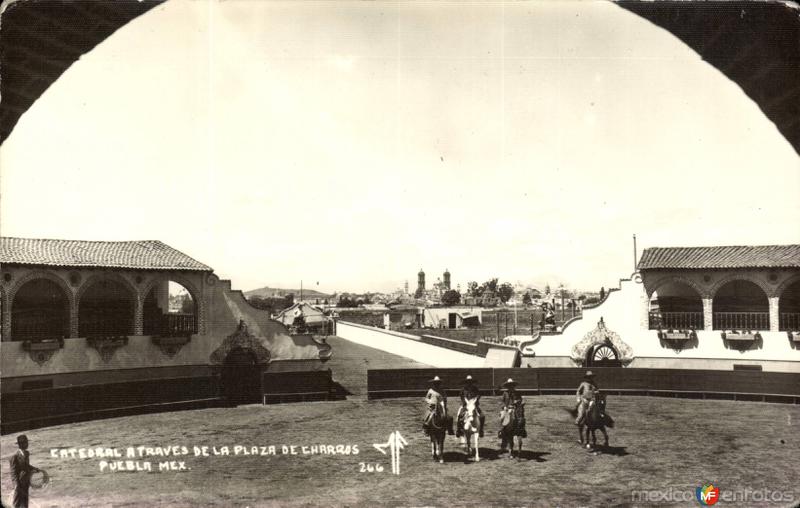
[789, 321]
[741, 321]
[178, 324]
[676, 320]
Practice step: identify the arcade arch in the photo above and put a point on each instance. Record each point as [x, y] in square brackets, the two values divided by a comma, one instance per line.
[39, 310]
[169, 308]
[674, 304]
[740, 304]
[789, 308]
[106, 308]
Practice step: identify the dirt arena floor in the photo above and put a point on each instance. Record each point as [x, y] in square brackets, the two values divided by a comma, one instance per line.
[322, 454]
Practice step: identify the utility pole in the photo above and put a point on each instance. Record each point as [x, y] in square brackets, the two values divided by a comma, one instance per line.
[301, 290]
[634, 253]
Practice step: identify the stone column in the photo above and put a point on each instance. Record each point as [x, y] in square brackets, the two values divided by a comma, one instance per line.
[774, 316]
[138, 319]
[73, 319]
[6, 319]
[708, 314]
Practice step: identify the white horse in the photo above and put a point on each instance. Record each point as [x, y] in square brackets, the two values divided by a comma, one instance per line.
[471, 424]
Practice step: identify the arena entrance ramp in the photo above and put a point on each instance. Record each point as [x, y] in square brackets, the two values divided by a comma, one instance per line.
[502, 358]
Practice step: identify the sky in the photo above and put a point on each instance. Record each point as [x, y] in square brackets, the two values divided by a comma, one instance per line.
[350, 144]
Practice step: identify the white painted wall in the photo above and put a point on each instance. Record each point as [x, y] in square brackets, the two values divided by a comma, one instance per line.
[405, 345]
[625, 312]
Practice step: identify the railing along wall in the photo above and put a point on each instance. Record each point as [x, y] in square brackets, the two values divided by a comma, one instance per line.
[741, 320]
[676, 320]
[789, 321]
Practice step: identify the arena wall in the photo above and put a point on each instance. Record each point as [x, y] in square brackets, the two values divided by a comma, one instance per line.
[745, 385]
[409, 346]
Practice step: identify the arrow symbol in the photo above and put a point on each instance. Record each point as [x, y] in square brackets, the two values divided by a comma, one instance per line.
[395, 444]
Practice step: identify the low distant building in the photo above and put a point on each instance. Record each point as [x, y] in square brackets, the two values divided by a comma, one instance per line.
[304, 317]
[481, 301]
[445, 317]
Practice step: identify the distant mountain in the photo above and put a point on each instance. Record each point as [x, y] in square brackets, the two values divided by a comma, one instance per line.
[268, 291]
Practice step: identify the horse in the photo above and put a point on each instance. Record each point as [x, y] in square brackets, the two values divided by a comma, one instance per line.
[596, 419]
[435, 425]
[471, 428]
[512, 422]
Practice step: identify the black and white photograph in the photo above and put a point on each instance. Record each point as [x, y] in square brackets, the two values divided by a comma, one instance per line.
[284, 253]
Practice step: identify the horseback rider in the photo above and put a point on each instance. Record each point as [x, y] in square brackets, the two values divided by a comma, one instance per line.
[470, 391]
[437, 396]
[510, 394]
[513, 404]
[585, 394]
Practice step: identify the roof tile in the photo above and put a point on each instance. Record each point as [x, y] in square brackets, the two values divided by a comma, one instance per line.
[759, 256]
[142, 255]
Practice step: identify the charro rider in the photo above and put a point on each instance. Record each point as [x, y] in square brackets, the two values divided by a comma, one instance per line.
[436, 395]
[584, 395]
[513, 403]
[470, 391]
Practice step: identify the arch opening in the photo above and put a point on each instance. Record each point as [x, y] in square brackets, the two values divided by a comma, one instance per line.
[241, 377]
[677, 306]
[741, 304]
[602, 355]
[789, 308]
[40, 310]
[106, 309]
[169, 309]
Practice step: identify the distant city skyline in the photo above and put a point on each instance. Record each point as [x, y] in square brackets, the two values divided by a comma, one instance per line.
[352, 143]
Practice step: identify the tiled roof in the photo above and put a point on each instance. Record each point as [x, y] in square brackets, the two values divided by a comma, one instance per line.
[142, 255]
[760, 256]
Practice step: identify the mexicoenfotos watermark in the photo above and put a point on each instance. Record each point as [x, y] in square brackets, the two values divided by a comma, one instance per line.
[708, 494]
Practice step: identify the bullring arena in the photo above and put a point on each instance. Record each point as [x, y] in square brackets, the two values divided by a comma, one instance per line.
[224, 407]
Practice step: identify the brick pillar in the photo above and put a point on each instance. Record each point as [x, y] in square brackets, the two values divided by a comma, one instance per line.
[73, 319]
[774, 317]
[708, 314]
[6, 317]
[138, 319]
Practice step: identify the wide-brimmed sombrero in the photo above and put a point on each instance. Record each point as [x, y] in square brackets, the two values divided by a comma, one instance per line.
[510, 382]
[435, 379]
[468, 378]
[588, 374]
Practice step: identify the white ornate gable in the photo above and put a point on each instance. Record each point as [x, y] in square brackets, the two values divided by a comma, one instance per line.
[601, 335]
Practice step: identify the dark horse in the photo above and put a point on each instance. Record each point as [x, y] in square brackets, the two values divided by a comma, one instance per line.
[435, 426]
[512, 421]
[596, 419]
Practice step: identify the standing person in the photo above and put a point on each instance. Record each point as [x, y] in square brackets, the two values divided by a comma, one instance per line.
[21, 471]
[584, 395]
[470, 391]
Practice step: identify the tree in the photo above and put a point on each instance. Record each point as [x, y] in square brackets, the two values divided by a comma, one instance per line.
[187, 305]
[489, 288]
[473, 289]
[289, 300]
[346, 302]
[505, 292]
[602, 293]
[259, 303]
[451, 297]
[526, 300]
[547, 289]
